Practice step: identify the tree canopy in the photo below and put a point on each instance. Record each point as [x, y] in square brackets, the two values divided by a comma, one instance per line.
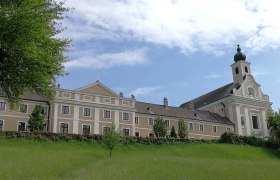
[36, 120]
[273, 122]
[182, 129]
[111, 138]
[31, 54]
[159, 127]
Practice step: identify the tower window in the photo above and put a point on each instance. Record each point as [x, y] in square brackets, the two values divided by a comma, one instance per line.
[236, 70]
[246, 69]
[251, 92]
[255, 122]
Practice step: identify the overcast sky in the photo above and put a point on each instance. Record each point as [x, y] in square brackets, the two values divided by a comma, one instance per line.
[179, 49]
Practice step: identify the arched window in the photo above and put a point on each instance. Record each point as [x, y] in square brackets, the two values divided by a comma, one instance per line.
[242, 122]
[251, 92]
[246, 69]
[236, 70]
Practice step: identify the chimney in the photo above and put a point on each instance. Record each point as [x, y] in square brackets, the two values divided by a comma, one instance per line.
[165, 102]
[121, 94]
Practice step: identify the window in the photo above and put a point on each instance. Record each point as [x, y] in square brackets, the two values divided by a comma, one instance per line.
[125, 132]
[106, 128]
[246, 69]
[65, 109]
[2, 106]
[23, 108]
[167, 123]
[125, 116]
[214, 128]
[136, 120]
[86, 129]
[251, 92]
[242, 122]
[236, 70]
[107, 100]
[228, 129]
[107, 114]
[255, 122]
[45, 110]
[137, 134]
[191, 126]
[64, 128]
[21, 126]
[201, 127]
[1, 125]
[151, 121]
[86, 111]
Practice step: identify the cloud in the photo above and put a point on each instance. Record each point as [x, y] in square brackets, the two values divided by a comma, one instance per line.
[193, 25]
[259, 71]
[87, 59]
[212, 76]
[143, 91]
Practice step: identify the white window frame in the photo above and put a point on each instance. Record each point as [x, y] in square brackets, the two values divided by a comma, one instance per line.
[136, 132]
[83, 129]
[125, 103]
[67, 127]
[47, 110]
[152, 121]
[84, 112]
[123, 129]
[109, 101]
[85, 99]
[4, 105]
[21, 122]
[23, 104]
[68, 109]
[243, 119]
[105, 113]
[67, 95]
[228, 129]
[201, 125]
[124, 117]
[257, 121]
[214, 127]
[106, 128]
[191, 129]
[167, 123]
[136, 120]
[3, 123]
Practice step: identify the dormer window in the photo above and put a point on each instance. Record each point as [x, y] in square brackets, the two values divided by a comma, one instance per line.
[246, 69]
[236, 70]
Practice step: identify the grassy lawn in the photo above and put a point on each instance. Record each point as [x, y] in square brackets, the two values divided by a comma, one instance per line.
[46, 160]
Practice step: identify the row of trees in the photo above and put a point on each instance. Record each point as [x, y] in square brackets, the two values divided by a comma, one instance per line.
[160, 128]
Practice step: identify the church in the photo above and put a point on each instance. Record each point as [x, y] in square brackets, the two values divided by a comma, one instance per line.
[240, 107]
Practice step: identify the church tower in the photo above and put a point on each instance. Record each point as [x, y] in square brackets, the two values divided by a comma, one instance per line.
[241, 67]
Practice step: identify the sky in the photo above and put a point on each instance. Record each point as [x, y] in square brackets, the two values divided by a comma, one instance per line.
[179, 49]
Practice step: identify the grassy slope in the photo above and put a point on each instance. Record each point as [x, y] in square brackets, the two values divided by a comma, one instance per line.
[38, 160]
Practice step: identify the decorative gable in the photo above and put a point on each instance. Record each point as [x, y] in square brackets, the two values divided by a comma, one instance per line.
[97, 88]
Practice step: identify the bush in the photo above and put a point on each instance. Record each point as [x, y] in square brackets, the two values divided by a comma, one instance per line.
[230, 138]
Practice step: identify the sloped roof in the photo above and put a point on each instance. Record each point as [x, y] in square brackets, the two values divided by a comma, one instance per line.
[178, 112]
[212, 96]
[35, 97]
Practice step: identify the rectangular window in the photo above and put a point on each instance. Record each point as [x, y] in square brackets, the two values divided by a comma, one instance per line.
[137, 134]
[125, 132]
[255, 122]
[106, 128]
[2, 106]
[64, 128]
[23, 108]
[136, 120]
[125, 116]
[45, 110]
[86, 129]
[201, 127]
[21, 126]
[107, 100]
[228, 129]
[65, 110]
[107, 114]
[214, 128]
[191, 126]
[1, 125]
[167, 123]
[86, 111]
[151, 121]
[242, 122]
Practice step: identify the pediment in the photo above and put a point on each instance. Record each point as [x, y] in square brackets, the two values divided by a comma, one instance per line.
[97, 88]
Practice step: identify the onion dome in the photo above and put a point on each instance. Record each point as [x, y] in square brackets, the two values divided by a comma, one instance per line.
[239, 56]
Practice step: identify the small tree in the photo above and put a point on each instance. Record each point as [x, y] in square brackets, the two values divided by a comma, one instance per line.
[182, 130]
[159, 127]
[111, 138]
[36, 120]
[173, 132]
[273, 122]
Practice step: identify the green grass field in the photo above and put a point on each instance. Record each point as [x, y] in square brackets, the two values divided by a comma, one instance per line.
[22, 159]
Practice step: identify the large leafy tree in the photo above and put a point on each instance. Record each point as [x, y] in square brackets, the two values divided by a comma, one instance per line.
[273, 122]
[31, 54]
[159, 127]
[182, 129]
[111, 138]
[36, 120]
